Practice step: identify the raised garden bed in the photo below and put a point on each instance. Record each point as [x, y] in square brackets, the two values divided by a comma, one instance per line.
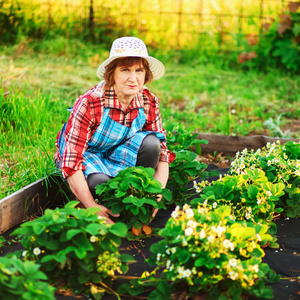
[46, 193]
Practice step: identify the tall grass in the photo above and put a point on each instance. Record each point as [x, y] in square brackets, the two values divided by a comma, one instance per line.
[38, 86]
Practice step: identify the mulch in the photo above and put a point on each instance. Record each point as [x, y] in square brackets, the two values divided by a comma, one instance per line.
[284, 261]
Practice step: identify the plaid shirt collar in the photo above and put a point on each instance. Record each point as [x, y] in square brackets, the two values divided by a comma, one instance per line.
[111, 100]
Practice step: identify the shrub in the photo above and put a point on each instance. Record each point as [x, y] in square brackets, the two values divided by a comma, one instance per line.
[279, 43]
[185, 168]
[281, 164]
[76, 247]
[206, 251]
[133, 193]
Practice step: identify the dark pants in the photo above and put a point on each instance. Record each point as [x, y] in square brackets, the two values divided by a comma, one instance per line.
[148, 156]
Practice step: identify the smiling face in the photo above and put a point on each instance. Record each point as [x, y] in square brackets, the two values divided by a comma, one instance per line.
[129, 80]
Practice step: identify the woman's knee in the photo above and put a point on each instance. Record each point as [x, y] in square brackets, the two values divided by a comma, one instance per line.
[149, 152]
[96, 179]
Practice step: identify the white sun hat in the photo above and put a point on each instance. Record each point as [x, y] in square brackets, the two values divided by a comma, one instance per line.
[134, 47]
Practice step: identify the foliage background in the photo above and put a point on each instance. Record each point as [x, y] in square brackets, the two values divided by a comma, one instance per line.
[216, 24]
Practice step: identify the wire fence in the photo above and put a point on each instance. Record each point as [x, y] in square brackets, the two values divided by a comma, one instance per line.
[176, 23]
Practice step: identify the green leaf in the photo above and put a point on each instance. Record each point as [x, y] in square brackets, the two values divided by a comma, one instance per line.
[93, 228]
[200, 261]
[117, 208]
[127, 258]
[72, 232]
[252, 192]
[118, 229]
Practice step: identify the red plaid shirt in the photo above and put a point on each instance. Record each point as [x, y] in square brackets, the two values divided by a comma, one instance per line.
[86, 117]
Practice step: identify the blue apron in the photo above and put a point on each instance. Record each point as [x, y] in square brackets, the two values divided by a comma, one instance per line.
[113, 146]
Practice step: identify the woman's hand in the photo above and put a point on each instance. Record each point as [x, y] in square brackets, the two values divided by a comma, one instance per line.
[105, 212]
[82, 192]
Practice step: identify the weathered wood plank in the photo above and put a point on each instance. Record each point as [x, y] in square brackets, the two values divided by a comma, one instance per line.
[229, 145]
[29, 201]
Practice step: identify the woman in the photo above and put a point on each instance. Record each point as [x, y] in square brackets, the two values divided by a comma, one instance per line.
[116, 124]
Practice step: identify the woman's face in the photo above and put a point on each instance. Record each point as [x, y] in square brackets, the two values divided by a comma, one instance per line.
[129, 80]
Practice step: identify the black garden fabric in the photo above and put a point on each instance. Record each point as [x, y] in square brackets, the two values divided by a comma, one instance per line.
[284, 261]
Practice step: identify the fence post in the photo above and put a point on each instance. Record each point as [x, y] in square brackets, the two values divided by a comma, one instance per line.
[261, 16]
[179, 22]
[49, 14]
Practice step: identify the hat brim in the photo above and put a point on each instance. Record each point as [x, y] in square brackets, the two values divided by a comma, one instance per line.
[156, 67]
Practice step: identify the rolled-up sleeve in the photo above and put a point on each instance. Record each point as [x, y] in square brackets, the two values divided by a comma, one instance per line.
[154, 123]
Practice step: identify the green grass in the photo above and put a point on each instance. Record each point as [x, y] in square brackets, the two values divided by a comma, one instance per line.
[41, 80]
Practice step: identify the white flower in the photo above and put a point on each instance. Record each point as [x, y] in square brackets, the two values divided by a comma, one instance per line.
[93, 239]
[297, 172]
[191, 223]
[198, 189]
[219, 230]
[185, 207]
[184, 243]
[174, 214]
[227, 243]
[195, 183]
[242, 166]
[37, 251]
[298, 166]
[268, 193]
[188, 231]
[202, 234]
[158, 256]
[285, 156]
[256, 268]
[232, 262]
[189, 213]
[177, 208]
[268, 145]
[211, 238]
[173, 250]
[205, 201]
[252, 167]
[215, 204]
[247, 216]
[24, 253]
[245, 151]
[233, 111]
[233, 275]
[258, 201]
[269, 162]
[187, 273]
[168, 264]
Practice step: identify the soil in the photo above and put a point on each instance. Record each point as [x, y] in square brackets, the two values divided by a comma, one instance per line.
[219, 160]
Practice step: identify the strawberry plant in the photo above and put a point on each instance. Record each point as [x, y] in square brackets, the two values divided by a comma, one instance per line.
[75, 248]
[133, 193]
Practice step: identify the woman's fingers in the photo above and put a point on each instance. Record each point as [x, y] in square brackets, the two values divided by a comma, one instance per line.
[105, 212]
[154, 212]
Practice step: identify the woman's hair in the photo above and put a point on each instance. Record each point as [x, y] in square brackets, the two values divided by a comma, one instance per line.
[125, 62]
